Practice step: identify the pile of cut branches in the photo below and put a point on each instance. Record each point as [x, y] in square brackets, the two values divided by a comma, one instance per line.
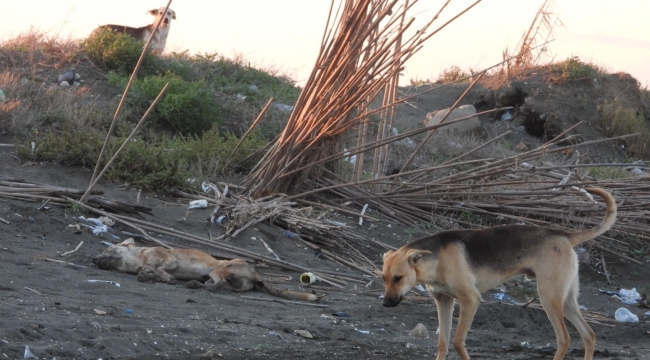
[362, 50]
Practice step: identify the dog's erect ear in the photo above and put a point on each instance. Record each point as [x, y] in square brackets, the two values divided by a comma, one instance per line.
[387, 254]
[128, 241]
[153, 12]
[414, 256]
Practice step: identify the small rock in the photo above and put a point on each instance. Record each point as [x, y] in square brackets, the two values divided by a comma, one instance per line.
[410, 346]
[64, 84]
[419, 331]
[304, 333]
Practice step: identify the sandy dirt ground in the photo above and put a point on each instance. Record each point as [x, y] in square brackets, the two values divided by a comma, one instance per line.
[55, 310]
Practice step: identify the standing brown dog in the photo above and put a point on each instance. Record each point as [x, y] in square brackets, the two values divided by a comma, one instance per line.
[461, 264]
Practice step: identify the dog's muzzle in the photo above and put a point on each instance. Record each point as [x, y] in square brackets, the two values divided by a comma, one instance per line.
[103, 262]
[391, 301]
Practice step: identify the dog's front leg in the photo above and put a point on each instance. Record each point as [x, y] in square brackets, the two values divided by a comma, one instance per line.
[468, 301]
[155, 274]
[215, 282]
[445, 306]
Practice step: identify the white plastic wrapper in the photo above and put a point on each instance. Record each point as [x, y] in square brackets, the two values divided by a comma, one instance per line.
[198, 204]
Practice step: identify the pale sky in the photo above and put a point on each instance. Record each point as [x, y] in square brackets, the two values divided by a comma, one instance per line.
[286, 34]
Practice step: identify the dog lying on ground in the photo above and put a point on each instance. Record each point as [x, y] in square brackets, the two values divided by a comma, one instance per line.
[143, 33]
[461, 264]
[159, 264]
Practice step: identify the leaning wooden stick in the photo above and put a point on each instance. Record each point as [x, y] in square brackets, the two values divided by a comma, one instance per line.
[124, 144]
[286, 302]
[72, 251]
[121, 103]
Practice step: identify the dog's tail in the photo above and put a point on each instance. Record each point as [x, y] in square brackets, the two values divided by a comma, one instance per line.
[263, 286]
[610, 217]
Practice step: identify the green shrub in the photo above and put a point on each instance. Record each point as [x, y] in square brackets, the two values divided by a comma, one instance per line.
[153, 165]
[186, 107]
[575, 69]
[619, 118]
[452, 74]
[118, 52]
[608, 172]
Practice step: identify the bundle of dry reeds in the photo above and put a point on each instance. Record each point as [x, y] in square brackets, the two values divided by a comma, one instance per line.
[363, 49]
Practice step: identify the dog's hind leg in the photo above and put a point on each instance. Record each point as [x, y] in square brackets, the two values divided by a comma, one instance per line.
[572, 313]
[445, 306]
[468, 301]
[552, 295]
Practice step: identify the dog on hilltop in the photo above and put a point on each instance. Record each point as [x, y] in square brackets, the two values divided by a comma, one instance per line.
[143, 33]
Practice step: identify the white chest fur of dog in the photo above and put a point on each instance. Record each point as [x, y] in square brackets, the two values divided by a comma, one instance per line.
[143, 33]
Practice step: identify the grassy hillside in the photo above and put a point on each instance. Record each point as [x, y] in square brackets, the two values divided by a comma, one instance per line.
[211, 100]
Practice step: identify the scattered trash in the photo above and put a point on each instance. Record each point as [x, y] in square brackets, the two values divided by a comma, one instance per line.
[276, 334]
[350, 159]
[404, 142]
[363, 331]
[283, 107]
[218, 220]
[28, 353]
[104, 281]
[525, 344]
[198, 204]
[106, 221]
[503, 297]
[304, 333]
[625, 315]
[208, 187]
[2, 96]
[583, 308]
[341, 314]
[128, 311]
[308, 278]
[411, 346]
[419, 331]
[67, 77]
[107, 243]
[421, 288]
[99, 312]
[507, 116]
[629, 297]
[646, 314]
[289, 234]
[97, 226]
